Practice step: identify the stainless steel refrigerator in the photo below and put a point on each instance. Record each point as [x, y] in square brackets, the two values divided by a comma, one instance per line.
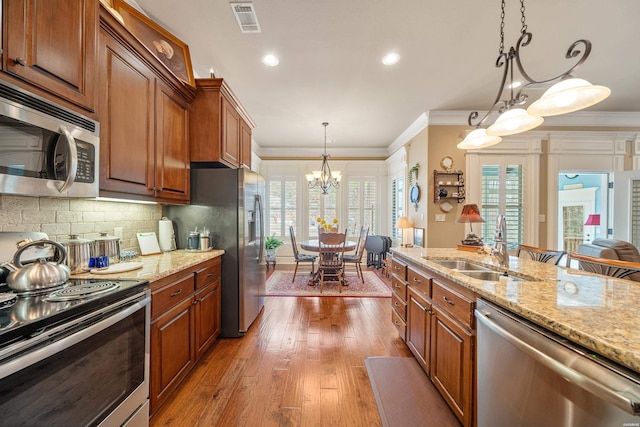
[229, 202]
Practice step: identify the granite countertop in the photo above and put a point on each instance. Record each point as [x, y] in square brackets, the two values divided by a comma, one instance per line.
[156, 267]
[594, 311]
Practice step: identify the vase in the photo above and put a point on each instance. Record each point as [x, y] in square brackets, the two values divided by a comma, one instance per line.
[271, 255]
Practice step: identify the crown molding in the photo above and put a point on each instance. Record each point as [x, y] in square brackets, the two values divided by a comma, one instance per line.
[409, 133]
[314, 153]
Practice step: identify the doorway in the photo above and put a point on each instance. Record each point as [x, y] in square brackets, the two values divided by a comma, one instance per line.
[581, 195]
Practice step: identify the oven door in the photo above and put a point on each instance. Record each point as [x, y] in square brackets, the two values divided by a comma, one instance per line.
[95, 372]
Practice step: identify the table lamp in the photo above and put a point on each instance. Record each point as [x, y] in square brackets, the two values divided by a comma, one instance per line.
[471, 214]
[593, 219]
[402, 223]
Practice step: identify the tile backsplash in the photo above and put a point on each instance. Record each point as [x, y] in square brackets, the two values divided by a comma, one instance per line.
[60, 217]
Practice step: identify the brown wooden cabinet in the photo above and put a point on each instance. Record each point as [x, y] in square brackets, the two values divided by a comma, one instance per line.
[419, 328]
[399, 296]
[51, 46]
[144, 123]
[220, 128]
[440, 332]
[185, 322]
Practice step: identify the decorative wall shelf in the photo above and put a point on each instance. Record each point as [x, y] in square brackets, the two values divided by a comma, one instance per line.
[448, 184]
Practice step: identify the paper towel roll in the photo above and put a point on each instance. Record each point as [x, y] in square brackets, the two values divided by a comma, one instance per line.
[166, 237]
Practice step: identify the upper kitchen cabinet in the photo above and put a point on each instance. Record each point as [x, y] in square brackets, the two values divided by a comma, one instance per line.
[49, 47]
[144, 121]
[220, 127]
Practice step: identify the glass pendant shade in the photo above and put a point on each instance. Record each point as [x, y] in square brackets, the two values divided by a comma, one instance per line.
[515, 120]
[567, 96]
[478, 139]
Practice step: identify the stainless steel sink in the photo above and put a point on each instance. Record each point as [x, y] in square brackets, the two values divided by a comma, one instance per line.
[490, 275]
[455, 264]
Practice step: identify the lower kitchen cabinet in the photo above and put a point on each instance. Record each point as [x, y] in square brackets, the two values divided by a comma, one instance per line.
[419, 328]
[440, 332]
[452, 356]
[185, 322]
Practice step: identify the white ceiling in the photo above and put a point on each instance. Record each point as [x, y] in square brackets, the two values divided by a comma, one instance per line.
[330, 53]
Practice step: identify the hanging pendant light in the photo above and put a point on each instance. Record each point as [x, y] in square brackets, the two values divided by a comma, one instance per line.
[324, 178]
[567, 95]
[478, 139]
[514, 121]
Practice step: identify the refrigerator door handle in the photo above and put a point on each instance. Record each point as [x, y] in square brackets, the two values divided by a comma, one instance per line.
[261, 228]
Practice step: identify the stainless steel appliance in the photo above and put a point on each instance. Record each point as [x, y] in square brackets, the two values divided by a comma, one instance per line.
[77, 355]
[46, 149]
[228, 202]
[528, 376]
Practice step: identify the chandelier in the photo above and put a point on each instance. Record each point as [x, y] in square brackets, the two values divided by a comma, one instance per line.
[324, 178]
[567, 95]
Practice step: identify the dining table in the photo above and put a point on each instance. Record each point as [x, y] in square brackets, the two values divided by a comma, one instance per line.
[313, 245]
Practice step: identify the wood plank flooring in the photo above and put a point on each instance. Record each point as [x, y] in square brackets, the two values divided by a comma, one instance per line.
[300, 364]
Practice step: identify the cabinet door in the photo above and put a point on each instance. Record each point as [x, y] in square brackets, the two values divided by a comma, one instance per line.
[230, 133]
[207, 317]
[452, 355]
[245, 144]
[126, 121]
[172, 145]
[418, 328]
[52, 44]
[172, 351]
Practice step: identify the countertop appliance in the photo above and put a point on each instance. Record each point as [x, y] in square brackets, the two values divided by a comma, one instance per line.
[75, 355]
[46, 149]
[229, 203]
[528, 376]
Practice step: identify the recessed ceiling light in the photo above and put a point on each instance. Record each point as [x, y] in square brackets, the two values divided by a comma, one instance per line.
[391, 58]
[270, 60]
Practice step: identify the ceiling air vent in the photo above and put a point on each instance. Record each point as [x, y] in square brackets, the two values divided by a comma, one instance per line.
[246, 16]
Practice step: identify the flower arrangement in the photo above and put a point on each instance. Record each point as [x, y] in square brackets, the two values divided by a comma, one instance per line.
[326, 226]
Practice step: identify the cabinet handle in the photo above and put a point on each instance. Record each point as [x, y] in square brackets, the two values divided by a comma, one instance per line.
[176, 293]
[396, 304]
[210, 274]
[395, 322]
[20, 61]
[415, 279]
[396, 285]
[448, 301]
[396, 268]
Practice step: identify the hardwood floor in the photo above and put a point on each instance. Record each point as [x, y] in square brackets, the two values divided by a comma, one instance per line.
[300, 364]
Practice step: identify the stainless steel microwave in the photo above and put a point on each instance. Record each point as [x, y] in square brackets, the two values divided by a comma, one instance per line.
[46, 149]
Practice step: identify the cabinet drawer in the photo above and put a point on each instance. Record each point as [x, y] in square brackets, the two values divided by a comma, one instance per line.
[399, 305]
[399, 287]
[400, 325]
[419, 282]
[172, 294]
[399, 269]
[460, 307]
[208, 274]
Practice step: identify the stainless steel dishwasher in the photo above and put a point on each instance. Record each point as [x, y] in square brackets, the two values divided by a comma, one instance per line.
[528, 376]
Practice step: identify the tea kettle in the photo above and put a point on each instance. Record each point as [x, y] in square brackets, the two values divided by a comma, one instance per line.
[41, 274]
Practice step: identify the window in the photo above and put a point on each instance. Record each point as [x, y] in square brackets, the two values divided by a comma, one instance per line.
[502, 193]
[361, 204]
[321, 206]
[397, 205]
[282, 205]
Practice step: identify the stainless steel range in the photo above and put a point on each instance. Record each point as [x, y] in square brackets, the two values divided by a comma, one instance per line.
[75, 355]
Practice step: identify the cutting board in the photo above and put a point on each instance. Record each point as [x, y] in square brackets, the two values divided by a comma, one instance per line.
[148, 243]
[118, 268]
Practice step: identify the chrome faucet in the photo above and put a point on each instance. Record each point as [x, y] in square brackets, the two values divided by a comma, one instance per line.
[500, 249]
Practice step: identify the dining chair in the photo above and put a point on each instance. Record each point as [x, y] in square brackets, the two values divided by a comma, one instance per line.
[541, 255]
[331, 258]
[608, 267]
[299, 257]
[356, 259]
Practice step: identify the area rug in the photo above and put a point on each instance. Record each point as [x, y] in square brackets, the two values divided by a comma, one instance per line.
[279, 284]
[405, 396]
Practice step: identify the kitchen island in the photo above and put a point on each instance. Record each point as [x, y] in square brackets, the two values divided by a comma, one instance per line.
[594, 311]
